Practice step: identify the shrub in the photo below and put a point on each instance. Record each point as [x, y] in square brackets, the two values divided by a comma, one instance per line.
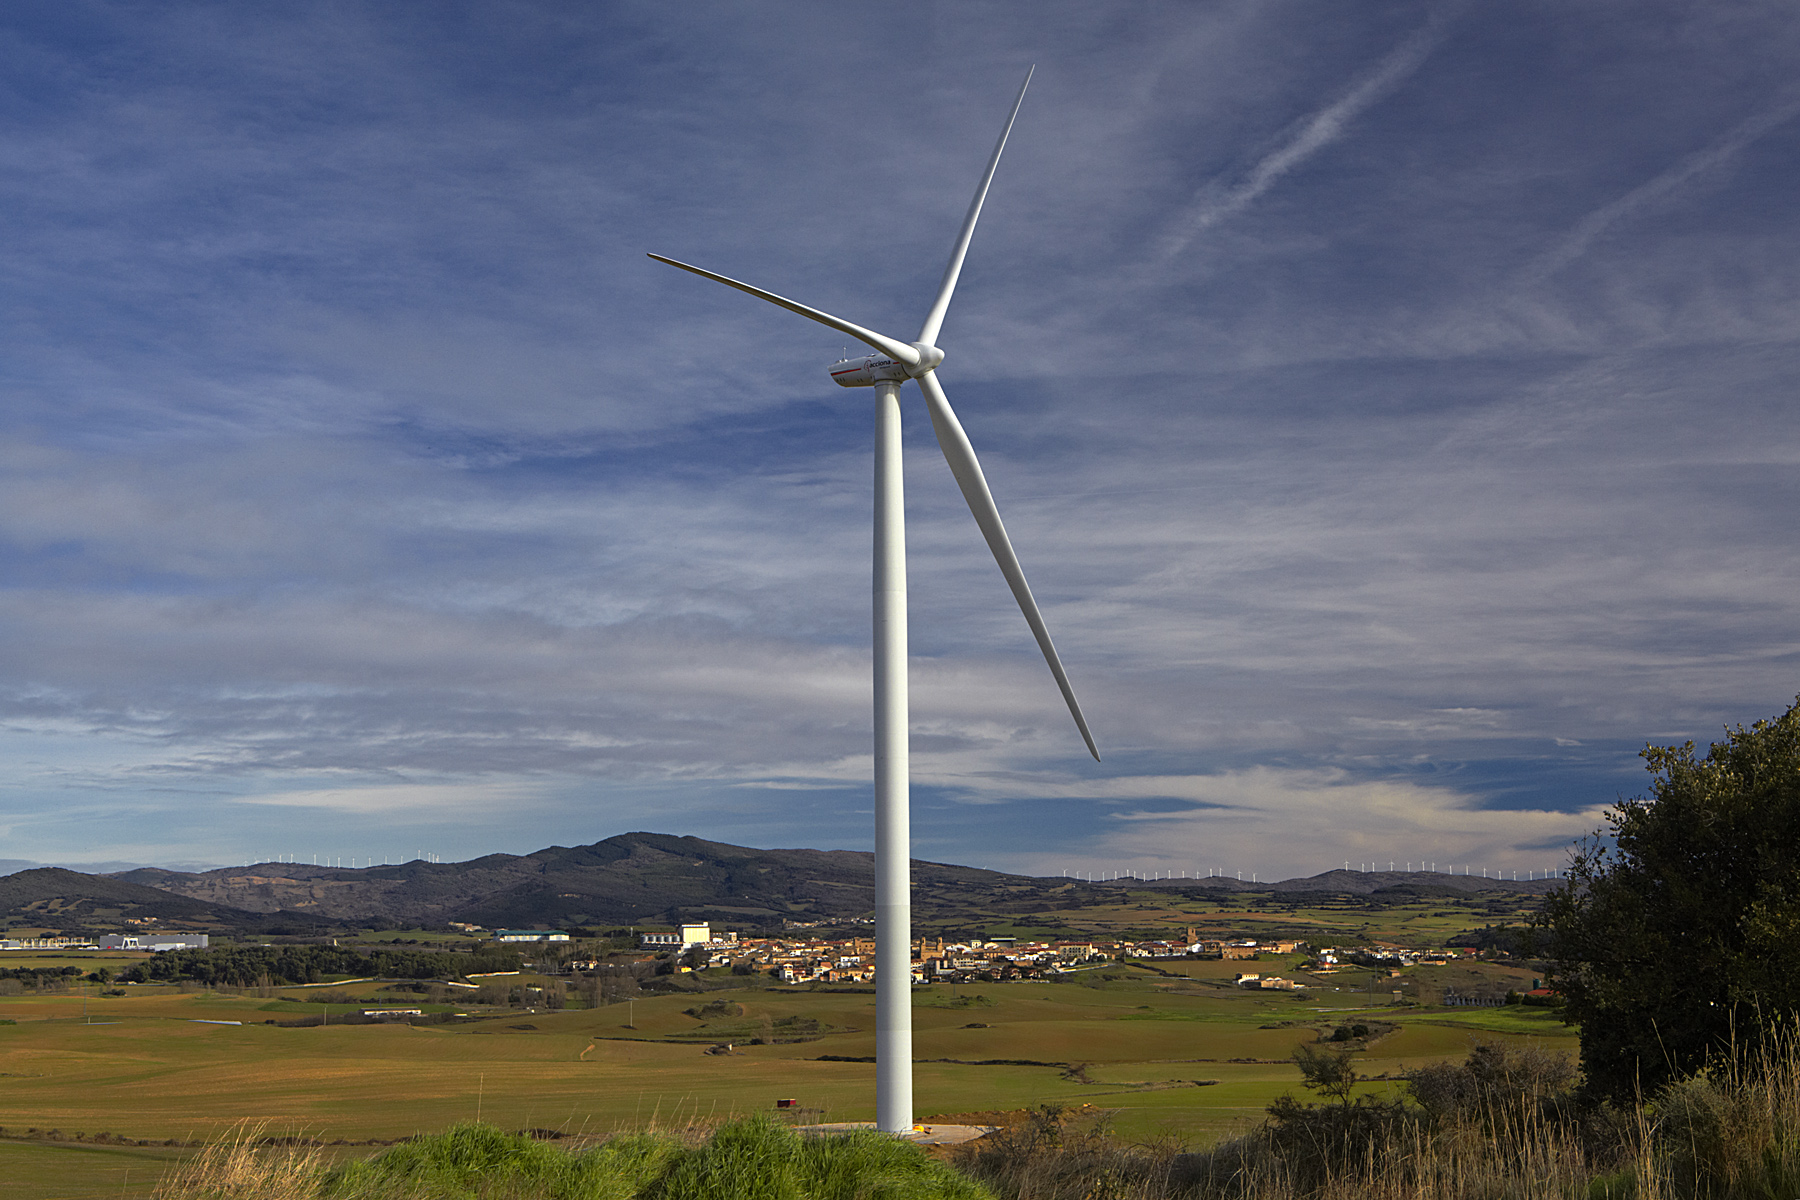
[472, 1160]
[1495, 1080]
[1329, 1072]
[1311, 1145]
[756, 1159]
[714, 1008]
[753, 1159]
[1058, 1153]
[1730, 1130]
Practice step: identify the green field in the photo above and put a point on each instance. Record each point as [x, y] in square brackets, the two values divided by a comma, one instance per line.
[30, 1170]
[1174, 1050]
[1171, 1047]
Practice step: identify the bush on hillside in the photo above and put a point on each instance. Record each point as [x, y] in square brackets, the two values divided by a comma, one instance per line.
[472, 1159]
[1494, 1081]
[757, 1159]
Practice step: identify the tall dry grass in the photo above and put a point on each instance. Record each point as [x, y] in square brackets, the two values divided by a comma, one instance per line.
[1733, 1130]
[1502, 1126]
[245, 1165]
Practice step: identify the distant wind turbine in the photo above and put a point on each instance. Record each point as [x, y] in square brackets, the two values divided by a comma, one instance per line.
[894, 363]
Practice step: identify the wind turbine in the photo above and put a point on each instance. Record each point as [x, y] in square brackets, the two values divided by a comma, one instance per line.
[886, 370]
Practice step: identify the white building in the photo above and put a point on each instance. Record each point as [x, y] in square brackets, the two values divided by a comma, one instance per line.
[698, 934]
[152, 941]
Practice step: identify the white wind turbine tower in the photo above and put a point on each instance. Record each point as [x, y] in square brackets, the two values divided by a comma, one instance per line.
[886, 371]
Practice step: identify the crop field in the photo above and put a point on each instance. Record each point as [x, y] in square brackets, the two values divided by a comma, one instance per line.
[29, 1171]
[1170, 1048]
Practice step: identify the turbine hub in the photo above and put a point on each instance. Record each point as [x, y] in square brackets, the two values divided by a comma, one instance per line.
[929, 358]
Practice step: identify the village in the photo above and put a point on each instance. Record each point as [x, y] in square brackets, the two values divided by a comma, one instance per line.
[851, 960]
[806, 958]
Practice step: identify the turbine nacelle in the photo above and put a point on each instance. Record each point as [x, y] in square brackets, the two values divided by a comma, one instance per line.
[868, 371]
[872, 369]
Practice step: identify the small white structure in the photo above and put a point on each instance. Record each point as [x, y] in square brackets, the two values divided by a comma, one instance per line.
[530, 935]
[157, 942]
[47, 943]
[691, 935]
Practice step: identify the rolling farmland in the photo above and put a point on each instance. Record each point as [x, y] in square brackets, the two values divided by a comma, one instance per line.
[1170, 1051]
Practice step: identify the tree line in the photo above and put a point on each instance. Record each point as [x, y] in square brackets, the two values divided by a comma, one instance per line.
[244, 966]
[36, 978]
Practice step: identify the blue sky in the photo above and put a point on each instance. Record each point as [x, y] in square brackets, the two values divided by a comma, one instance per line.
[1391, 403]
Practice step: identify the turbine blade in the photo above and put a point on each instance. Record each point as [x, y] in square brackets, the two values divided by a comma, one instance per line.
[896, 350]
[934, 319]
[963, 464]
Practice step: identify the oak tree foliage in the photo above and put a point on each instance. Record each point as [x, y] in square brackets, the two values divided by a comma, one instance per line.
[1678, 940]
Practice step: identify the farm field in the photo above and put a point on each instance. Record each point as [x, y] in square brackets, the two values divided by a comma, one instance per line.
[1169, 1047]
[30, 1170]
[1165, 911]
[1170, 1052]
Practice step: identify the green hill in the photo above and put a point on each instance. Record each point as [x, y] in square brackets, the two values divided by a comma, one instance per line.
[66, 899]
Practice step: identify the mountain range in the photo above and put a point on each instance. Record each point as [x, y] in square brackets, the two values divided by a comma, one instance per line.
[630, 879]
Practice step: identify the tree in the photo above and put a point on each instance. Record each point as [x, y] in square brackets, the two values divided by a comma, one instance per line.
[1677, 942]
[1496, 1081]
[1329, 1072]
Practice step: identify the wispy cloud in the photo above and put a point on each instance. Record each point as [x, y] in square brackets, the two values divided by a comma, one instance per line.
[1311, 134]
[450, 800]
[1597, 223]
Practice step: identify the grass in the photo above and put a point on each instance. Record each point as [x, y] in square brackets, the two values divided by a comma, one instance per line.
[37, 1170]
[244, 1166]
[147, 1068]
[750, 1159]
[87, 960]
